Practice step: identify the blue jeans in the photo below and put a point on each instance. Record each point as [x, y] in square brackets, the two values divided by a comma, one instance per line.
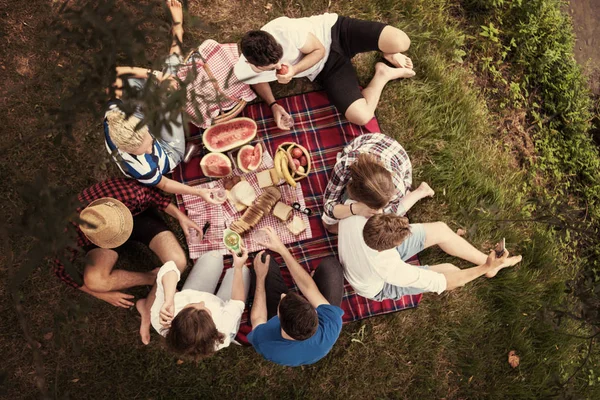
[173, 142]
[413, 244]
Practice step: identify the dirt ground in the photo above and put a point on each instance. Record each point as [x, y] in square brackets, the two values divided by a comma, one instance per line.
[586, 21]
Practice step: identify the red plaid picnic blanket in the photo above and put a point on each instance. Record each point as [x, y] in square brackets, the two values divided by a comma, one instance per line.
[220, 58]
[221, 216]
[324, 132]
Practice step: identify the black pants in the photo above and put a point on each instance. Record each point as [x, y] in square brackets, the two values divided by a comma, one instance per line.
[329, 278]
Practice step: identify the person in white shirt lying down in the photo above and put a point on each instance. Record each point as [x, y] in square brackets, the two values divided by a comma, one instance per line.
[373, 253]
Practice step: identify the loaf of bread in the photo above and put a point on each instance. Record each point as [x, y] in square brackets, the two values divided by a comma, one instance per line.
[264, 204]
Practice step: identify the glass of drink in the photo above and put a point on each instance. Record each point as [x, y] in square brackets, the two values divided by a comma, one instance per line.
[219, 195]
[288, 121]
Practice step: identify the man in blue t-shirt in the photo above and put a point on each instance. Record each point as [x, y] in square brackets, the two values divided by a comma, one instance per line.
[287, 328]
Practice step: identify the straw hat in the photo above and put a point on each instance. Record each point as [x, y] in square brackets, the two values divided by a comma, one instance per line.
[106, 222]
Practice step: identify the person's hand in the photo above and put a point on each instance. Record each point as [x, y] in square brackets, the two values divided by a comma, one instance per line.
[187, 224]
[239, 261]
[270, 240]
[206, 195]
[167, 312]
[261, 268]
[280, 115]
[117, 299]
[493, 261]
[364, 210]
[287, 77]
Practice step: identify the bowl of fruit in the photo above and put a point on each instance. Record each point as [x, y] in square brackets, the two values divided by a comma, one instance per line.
[292, 162]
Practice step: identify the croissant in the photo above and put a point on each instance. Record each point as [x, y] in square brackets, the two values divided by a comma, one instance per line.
[252, 216]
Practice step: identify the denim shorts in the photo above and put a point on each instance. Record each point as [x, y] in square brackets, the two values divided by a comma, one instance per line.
[412, 245]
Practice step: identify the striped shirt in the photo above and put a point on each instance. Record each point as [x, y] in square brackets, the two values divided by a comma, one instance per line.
[387, 151]
[148, 169]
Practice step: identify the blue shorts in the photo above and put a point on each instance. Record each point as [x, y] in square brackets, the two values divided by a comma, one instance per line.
[412, 245]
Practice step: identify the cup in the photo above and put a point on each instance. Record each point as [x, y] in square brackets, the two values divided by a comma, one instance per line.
[288, 121]
[194, 236]
[219, 195]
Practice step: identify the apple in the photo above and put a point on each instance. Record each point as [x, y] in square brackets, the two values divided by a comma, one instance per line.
[303, 161]
[297, 153]
[296, 162]
[283, 70]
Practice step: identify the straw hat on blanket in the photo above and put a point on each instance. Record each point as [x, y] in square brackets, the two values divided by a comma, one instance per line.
[106, 222]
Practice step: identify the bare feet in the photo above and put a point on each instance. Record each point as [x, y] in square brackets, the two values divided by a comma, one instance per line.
[399, 60]
[176, 14]
[145, 324]
[425, 190]
[390, 73]
[510, 261]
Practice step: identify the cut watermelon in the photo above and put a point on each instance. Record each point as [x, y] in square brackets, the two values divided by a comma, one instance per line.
[229, 135]
[215, 165]
[249, 157]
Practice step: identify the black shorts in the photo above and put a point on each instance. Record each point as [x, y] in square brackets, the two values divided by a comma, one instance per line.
[349, 36]
[146, 226]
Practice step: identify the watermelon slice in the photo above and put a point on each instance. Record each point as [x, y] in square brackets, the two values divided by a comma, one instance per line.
[249, 157]
[229, 135]
[216, 165]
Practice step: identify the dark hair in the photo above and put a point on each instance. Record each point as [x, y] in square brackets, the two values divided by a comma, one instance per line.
[260, 48]
[297, 317]
[193, 334]
[370, 182]
[385, 231]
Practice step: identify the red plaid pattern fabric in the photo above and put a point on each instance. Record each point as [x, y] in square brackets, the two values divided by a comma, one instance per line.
[135, 196]
[221, 216]
[201, 95]
[324, 132]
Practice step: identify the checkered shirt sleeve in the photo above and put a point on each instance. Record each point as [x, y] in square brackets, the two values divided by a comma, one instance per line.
[136, 197]
[388, 151]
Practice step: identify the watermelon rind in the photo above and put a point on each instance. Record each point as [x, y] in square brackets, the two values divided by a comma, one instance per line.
[221, 129]
[222, 157]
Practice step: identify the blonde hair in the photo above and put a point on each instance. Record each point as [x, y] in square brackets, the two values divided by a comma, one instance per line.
[385, 231]
[370, 182]
[123, 132]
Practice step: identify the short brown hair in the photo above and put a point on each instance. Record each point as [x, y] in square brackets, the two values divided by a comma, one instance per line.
[193, 334]
[385, 231]
[261, 49]
[370, 182]
[297, 316]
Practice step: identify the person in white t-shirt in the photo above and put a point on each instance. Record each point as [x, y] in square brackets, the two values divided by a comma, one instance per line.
[320, 48]
[195, 322]
[374, 251]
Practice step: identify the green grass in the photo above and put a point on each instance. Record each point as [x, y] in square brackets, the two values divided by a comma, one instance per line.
[453, 346]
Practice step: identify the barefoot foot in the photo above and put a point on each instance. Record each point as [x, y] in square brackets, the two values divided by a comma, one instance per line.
[145, 324]
[510, 261]
[390, 73]
[425, 190]
[176, 10]
[399, 60]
